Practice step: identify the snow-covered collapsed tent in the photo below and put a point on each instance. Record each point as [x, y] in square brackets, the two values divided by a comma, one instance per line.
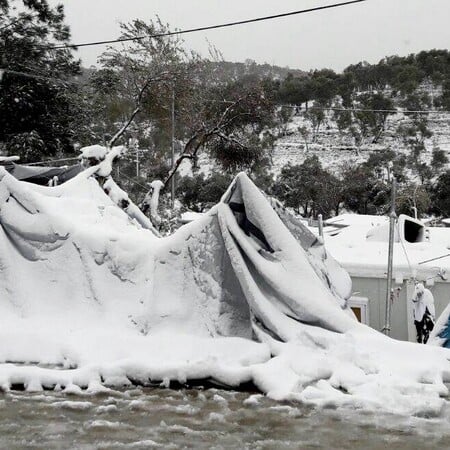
[91, 297]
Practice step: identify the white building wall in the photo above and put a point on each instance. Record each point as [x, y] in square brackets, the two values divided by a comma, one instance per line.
[402, 323]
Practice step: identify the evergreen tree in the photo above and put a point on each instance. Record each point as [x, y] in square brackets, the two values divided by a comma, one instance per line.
[441, 195]
[309, 188]
[37, 90]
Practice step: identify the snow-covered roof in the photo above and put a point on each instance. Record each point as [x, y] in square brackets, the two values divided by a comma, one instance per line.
[362, 257]
[345, 220]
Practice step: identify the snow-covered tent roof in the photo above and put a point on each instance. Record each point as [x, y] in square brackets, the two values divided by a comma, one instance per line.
[365, 220]
[361, 247]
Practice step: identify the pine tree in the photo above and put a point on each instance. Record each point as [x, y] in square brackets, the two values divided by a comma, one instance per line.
[37, 89]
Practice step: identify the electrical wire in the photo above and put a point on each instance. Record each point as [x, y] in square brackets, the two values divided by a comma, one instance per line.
[404, 111]
[434, 259]
[391, 111]
[36, 76]
[146, 188]
[205, 28]
[37, 163]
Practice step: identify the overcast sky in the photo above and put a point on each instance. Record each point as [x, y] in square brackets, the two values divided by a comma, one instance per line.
[333, 38]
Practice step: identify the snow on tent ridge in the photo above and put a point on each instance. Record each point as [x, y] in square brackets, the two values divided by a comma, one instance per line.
[91, 298]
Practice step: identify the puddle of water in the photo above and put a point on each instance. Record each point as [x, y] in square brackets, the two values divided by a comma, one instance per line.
[197, 419]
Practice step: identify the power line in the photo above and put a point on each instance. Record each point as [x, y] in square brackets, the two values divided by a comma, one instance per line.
[403, 111]
[146, 188]
[434, 259]
[205, 28]
[36, 76]
[49, 161]
[393, 111]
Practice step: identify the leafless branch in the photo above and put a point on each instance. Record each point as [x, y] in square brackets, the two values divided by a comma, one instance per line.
[177, 164]
[124, 127]
[202, 134]
[148, 82]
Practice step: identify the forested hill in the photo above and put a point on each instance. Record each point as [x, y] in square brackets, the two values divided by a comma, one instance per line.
[402, 76]
[226, 70]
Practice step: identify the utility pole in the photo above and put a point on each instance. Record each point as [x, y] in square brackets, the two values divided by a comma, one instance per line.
[389, 292]
[133, 145]
[173, 146]
[137, 162]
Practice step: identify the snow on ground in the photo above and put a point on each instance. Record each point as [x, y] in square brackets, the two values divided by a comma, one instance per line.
[90, 298]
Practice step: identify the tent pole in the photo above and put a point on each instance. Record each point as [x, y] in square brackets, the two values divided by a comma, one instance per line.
[320, 222]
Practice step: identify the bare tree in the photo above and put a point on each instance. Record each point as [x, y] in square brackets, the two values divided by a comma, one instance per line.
[145, 68]
[229, 122]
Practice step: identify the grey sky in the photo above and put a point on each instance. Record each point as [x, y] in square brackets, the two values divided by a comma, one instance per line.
[334, 38]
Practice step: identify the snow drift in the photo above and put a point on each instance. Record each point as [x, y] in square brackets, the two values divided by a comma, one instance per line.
[91, 297]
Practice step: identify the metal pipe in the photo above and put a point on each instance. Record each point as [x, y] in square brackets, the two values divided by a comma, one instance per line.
[392, 219]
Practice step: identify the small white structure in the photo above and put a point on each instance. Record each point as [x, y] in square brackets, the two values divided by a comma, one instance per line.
[407, 230]
[421, 254]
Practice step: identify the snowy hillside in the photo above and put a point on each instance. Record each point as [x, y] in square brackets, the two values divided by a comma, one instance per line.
[335, 148]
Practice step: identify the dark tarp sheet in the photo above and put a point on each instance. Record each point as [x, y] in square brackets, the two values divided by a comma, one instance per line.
[43, 175]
